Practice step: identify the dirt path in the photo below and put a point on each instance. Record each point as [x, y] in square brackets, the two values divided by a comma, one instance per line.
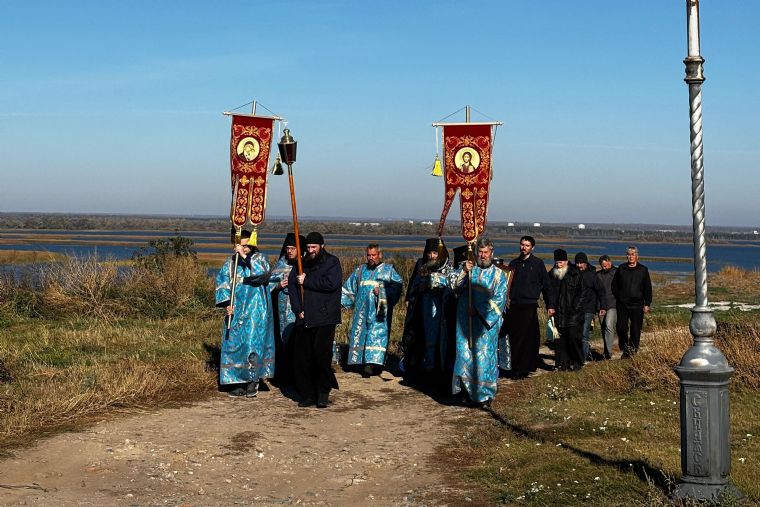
[374, 445]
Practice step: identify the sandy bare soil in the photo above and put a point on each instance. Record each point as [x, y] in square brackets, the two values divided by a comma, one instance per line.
[374, 445]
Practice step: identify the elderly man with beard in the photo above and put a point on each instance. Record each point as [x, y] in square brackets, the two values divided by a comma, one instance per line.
[372, 290]
[571, 295]
[315, 300]
[482, 288]
[425, 338]
[283, 315]
[529, 282]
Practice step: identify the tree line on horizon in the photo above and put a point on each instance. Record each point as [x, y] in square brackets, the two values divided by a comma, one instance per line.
[80, 222]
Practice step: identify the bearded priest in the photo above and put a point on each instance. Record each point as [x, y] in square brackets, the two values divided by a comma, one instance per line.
[482, 287]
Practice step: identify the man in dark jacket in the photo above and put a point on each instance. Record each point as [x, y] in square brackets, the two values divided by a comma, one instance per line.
[570, 299]
[317, 314]
[529, 281]
[632, 288]
[593, 302]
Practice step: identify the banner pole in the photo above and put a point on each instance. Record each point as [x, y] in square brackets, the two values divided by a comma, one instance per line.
[467, 113]
[295, 224]
[232, 292]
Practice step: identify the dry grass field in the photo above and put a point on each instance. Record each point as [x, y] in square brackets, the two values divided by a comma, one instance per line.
[87, 339]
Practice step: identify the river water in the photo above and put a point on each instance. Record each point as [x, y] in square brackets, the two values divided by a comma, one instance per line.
[660, 257]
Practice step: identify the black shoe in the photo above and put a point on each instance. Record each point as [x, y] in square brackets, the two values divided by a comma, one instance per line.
[252, 389]
[307, 402]
[485, 404]
[236, 392]
[322, 400]
[367, 371]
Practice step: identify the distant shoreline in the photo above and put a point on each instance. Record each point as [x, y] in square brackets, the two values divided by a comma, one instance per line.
[650, 233]
[633, 226]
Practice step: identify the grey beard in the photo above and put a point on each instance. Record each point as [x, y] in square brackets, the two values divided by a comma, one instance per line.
[484, 264]
[559, 273]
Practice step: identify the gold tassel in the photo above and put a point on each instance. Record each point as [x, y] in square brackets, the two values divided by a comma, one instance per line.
[254, 237]
[437, 167]
[277, 166]
[443, 254]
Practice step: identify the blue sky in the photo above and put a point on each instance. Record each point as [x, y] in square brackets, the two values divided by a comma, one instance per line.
[115, 107]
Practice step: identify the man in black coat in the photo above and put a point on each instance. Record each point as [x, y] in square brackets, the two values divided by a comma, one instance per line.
[317, 314]
[632, 288]
[424, 344]
[529, 281]
[571, 294]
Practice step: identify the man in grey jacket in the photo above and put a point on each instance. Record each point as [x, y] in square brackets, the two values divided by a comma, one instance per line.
[608, 311]
[593, 302]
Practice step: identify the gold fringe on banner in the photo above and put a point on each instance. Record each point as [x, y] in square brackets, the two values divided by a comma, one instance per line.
[437, 167]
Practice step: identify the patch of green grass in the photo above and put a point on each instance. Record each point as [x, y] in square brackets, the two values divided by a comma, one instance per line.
[565, 439]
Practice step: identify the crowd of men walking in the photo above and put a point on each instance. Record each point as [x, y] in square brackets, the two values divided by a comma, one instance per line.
[469, 318]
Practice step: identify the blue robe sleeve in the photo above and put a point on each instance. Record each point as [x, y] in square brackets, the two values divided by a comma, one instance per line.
[393, 286]
[498, 300]
[223, 285]
[348, 292]
[279, 273]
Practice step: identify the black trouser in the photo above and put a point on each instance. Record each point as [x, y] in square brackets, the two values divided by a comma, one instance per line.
[524, 338]
[569, 351]
[629, 344]
[312, 365]
[283, 361]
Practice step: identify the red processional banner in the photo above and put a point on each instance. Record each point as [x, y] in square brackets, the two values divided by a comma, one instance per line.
[250, 143]
[467, 170]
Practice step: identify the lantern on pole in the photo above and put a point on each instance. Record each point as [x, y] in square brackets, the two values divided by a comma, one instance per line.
[287, 147]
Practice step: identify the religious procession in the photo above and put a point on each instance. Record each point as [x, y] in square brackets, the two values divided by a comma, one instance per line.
[470, 317]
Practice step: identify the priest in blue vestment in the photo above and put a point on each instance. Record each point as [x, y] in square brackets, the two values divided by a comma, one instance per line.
[482, 288]
[282, 312]
[372, 290]
[247, 347]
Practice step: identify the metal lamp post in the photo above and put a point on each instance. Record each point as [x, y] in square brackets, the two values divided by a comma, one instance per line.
[287, 146]
[703, 371]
